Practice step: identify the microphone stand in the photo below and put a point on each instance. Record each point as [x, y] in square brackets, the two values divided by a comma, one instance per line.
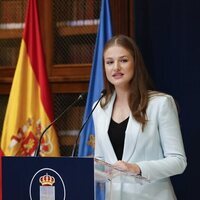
[81, 97]
[79, 133]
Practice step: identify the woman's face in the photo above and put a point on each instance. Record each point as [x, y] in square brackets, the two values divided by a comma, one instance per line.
[119, 66]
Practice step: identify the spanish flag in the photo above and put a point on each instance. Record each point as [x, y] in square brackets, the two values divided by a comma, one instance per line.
[29, 108]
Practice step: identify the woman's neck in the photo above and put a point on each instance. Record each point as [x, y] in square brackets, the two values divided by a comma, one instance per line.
[121, 108]
[122, 96]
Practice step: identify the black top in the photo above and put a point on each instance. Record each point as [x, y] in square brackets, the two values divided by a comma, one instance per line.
[116, 133]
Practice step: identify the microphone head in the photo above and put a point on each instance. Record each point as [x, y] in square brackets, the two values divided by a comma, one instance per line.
[103, 92]
[83, 96]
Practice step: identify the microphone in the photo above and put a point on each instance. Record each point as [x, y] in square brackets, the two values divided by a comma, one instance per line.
[81, 97]
[103, 93]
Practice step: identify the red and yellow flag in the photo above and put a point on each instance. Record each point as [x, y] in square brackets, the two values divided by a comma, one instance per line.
[29, 108]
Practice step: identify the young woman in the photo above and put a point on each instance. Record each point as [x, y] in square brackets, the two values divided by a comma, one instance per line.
[137, 129]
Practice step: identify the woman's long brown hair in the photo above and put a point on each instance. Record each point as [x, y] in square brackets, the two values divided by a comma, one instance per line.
[140, 83]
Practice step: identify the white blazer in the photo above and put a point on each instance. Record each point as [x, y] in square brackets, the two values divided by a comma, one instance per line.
[158, 150]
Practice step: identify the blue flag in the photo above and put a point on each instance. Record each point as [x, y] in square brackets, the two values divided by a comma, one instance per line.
[96, 84]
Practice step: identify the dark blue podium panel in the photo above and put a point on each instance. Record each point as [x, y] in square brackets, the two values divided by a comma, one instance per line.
[42, 178]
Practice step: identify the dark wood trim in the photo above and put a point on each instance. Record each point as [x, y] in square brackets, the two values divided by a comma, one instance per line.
[123, 17]
[73, 78]
[67, 70]
[77, 30]
[6, 71]
[131, 19]
[72, 84]
[11, 33]
[120, 17]
[5, 85]
[69, 86]
[67, 140]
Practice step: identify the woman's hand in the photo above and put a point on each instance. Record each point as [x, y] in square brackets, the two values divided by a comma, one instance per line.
[130, 167]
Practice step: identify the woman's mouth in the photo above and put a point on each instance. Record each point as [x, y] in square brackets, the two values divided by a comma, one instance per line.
[117, 75]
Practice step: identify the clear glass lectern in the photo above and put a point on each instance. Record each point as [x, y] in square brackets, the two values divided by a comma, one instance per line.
[106, 174]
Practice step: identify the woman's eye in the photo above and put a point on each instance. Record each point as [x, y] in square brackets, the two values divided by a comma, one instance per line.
[124, 60]
[109, 62]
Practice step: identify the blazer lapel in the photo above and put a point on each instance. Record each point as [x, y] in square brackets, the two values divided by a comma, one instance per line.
[107, 142]
[132, 131]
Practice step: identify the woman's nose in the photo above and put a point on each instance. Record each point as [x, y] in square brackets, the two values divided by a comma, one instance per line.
[116, 66]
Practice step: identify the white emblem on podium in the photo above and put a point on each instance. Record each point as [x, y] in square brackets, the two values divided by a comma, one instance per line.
[47, 190]
[47, 184]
